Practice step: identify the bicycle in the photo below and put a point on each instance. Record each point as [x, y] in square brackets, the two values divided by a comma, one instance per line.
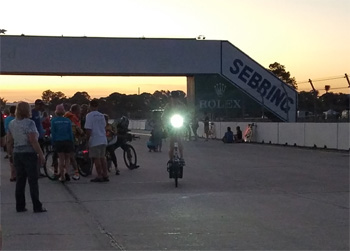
[81, 156]
[175, 166]
[129, 152]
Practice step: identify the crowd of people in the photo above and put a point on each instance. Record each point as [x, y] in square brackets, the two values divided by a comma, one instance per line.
[26, 131]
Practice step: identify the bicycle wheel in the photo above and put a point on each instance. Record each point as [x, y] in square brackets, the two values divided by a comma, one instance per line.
[130, 157]
[84, 166]
[51, 165]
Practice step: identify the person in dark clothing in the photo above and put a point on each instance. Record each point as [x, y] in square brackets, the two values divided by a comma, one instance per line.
[22, 141]
[238, 135]
[206, 126]
[36, 117]
[195, 125]
[2, 128]
[228, 137]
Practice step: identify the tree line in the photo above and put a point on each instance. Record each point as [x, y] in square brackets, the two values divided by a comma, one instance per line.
[116, 104]
[140, 106]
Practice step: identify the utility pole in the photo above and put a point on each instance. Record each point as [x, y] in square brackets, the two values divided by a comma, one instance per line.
[312, 86]
[347, 79]
[315, 97]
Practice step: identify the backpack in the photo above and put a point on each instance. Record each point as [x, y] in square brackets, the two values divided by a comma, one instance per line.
[123, 125]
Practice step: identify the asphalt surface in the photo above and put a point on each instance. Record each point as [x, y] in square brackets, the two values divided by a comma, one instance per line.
[232, 197]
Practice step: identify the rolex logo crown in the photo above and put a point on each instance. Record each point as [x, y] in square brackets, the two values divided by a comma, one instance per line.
[220, 89]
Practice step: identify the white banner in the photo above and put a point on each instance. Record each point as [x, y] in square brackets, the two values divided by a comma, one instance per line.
[259, 83]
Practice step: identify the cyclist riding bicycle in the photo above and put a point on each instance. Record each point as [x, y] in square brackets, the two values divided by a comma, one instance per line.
[123, 136]
[175, 106]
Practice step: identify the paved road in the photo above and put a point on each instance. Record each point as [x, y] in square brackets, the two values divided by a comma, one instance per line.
[236, 196]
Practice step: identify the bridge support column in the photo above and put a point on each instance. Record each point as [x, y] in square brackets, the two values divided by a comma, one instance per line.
[190, 92]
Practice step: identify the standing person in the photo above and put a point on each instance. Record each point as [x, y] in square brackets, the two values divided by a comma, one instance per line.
[36, 117]
[206, 126]
[62, 140]
[7, 122]
[74, 115]
[10, 117]
[195, 125]
[111, 140]
[157, 131]
[3, 117]
[39, 107]
[22, 140]
[188, 130]
[84, 109]
[46, 123]
[2, 129]
[95, 125]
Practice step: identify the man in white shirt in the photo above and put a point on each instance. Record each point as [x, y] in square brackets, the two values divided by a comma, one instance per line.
[95, 126]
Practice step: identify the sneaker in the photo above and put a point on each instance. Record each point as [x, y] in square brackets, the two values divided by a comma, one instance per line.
[76, 176]
[67, 177]
[105, 179]
[62, 179]
[117, 172]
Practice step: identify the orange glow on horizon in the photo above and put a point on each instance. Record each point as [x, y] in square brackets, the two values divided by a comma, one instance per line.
[29, 88]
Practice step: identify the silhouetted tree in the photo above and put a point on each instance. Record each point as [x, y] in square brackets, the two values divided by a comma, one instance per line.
[2, 102]
[48, 95]
[53, 98]
[280, 71]
[80, 98]
[306, 101]
[335, 101]
[161, 99]
[327, 88]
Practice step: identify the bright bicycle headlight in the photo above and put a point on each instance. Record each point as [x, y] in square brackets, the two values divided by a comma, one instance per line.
[177, 121]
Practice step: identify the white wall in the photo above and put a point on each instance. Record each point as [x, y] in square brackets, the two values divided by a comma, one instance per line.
[343, 136]
[321, 135]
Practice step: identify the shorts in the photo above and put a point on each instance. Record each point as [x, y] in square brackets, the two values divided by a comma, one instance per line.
[97, 151]
[65, 146]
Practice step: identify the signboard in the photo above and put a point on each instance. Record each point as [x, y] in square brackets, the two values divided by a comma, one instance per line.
[215, 95]
[258, 82]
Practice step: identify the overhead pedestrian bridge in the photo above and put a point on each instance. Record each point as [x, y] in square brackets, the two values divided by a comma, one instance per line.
[96, 56]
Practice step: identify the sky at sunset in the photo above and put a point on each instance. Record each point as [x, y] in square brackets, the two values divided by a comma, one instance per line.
[309, 37]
